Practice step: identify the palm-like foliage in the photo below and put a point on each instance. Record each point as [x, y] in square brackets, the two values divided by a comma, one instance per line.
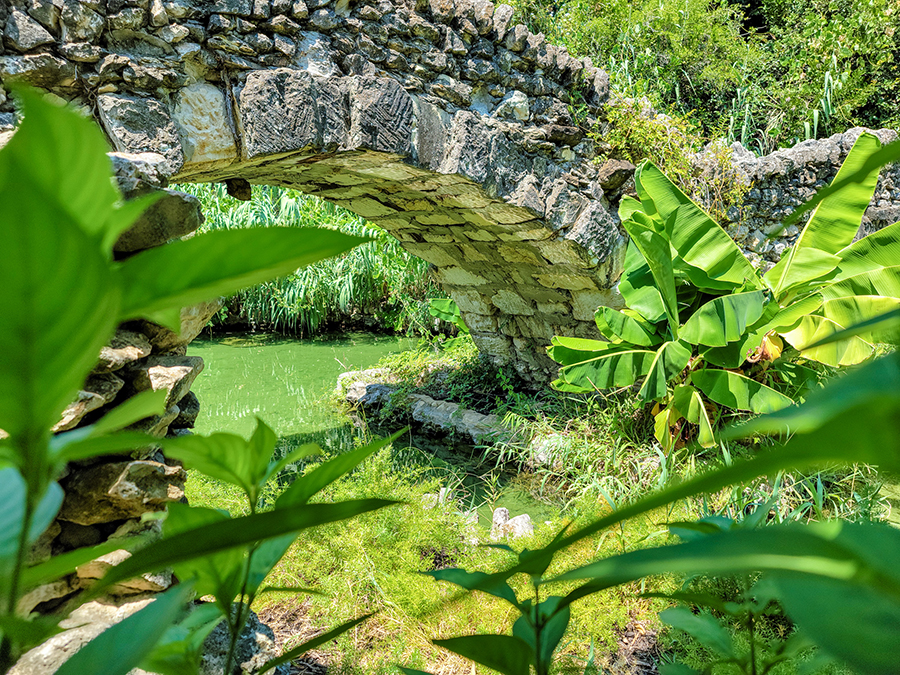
[702, 326]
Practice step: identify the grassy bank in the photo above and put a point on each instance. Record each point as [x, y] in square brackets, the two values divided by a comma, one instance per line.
[597, 454]
[377, 285]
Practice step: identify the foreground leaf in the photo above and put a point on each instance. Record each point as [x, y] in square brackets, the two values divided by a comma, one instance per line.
[724, 319]
[121, 647]
[738, 392]
[505, 654]
[219, 263]
[233, 533]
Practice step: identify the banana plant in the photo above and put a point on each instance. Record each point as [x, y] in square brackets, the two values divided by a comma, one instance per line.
[703, 329]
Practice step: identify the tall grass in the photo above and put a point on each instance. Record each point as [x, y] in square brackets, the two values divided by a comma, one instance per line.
[376, 285]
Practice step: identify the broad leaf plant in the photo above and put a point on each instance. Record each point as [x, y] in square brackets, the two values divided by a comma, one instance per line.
[702, 327]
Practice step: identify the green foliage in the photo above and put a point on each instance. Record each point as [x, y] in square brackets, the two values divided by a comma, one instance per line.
[832, 64]
[377, 283]
[60, 211]
[698, 310]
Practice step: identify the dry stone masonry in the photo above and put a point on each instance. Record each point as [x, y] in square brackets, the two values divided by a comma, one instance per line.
[441, 121]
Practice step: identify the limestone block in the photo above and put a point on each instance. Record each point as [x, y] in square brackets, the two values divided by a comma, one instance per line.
[115, 491]
[436, 255]
[460, 277]
[585, 303]
[313, 54]
[38, 70]
[381, 115]
[463, 196]
[255, 647]
[82, 626]
[24, 33]
[312, 113]
[194, 319]
[202, 120]
[503, 15]
[90, 572]
[175, 374]
[85, 402]
[52, 591]
[188, 409]
[571, 282]
[125, 347]
[155, 426]
[496, 346]
[522, 254]
[175, 214]
[479, 322]
[565, 252]
[80, 23]
[472, 301]
[141, 124]
[41, 549]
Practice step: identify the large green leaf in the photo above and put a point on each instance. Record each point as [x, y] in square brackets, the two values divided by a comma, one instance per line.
[705, 628]
[472, 580]
[627, 327]
[699, 240]
[860, 389]
[234, 533]
[835, 222]
[724, 319]
[889, 153]
[657, 254]
[855, 310]
[121, 647]
[798, 268]
[637, 287]
[300, 491]
[813, 329]
[504, 653]
[883, 281]
[819, 550]
[62, 154]
[58, 295]
[218, 263]
[611, 366]
[670, 359]
[738, 392]
[688, 403]
[180, 649]
[553, 621]
[879, 249]
[219, 574]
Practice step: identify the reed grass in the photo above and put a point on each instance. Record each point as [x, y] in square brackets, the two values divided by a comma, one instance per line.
[376, 285]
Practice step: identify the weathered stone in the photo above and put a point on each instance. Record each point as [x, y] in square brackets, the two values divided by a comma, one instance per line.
[188, 409]
[24, 33]
[90, 572]
[156, 426]
[614, 173]
[256, 646]
[82, 626]
[381, 116]
[80, 23]
[141, 124]
[119, 490]
[174, 215]
[45, 593]
[201, 116]
[175, 374]
[504, 527]
[194, 319]
[38, 70]
[42, 548]
[128, 18]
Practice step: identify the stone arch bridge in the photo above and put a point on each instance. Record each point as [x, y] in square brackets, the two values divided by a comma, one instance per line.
[438, 120]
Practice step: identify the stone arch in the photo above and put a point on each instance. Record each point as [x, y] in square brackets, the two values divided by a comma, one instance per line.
[438, 120]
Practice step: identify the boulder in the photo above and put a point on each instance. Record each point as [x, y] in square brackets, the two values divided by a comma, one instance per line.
[175, 374]
[119, 490]
[125, 347]
[175, 214]
[194, 319]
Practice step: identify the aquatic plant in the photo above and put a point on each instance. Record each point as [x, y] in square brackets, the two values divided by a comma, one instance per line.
[377, 284]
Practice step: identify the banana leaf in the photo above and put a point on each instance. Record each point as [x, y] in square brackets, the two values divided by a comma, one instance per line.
[724, 319]
[813, 329]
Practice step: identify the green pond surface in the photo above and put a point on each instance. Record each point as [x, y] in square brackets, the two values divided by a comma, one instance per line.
[288, 383]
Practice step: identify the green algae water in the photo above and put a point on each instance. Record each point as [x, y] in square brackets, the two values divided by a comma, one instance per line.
[288, 383]
[284, 381]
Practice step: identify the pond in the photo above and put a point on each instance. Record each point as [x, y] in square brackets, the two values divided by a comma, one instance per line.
[288, 383]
